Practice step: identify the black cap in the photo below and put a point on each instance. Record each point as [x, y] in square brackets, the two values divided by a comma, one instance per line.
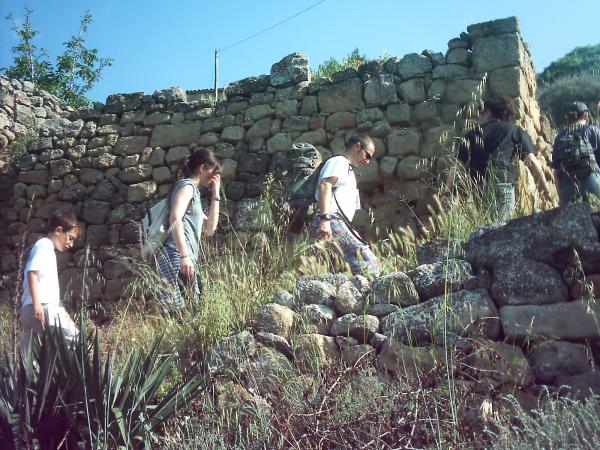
[578, 107]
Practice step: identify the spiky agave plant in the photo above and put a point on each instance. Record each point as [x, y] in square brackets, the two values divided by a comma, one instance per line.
[69, 396]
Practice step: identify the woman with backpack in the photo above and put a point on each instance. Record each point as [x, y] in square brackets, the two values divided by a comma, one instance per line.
[179, 256]
[574, 157]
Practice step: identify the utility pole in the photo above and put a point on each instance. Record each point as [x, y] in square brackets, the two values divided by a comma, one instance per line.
[216, 75]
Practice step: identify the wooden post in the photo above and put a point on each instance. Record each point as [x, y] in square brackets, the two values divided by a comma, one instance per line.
[216, 75]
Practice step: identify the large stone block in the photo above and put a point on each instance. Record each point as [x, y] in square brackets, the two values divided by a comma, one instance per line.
[403, 142]
[340, 120]
[173, 135]
[412, 91]
[493, 27]
[380, 90]
[552, 359]
[432, 280]
[450, 72]
[131, 145]
[509, 82]
[536, 237]
[521, 281]
[395, 288]
[118, 103]
[94, 211]
[276, 319]
[438, 141]
[413, 65]
[573, 321]
[494, 52]
[139, 192]
[460, 92]
[344, 96]
[261, 129]
[412, 168]
[249, 85]
[461, 313]
[398, 114]
[409, 362]
[290, 70]
[315, 351]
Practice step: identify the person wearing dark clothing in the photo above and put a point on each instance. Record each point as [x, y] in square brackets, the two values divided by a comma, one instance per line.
[489, 149]
[585, 140]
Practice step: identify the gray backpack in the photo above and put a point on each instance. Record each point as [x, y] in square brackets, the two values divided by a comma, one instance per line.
[573, 155]
[299, 173]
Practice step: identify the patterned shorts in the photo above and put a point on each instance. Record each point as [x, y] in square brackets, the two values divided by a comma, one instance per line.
[359, 256]
[171, 293]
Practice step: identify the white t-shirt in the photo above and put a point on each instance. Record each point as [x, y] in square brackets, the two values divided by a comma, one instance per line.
[43, 260]
[345, 189]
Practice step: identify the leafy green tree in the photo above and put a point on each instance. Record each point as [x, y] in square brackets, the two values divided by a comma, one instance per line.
[580, 59]
[75, 72]
[332, 65]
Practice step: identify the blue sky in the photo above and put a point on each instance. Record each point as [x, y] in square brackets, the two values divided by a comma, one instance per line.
[156, 44]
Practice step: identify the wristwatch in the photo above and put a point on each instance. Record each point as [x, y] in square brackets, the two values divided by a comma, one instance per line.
[326, 216]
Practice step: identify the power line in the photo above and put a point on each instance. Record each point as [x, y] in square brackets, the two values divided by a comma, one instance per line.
[271, 27]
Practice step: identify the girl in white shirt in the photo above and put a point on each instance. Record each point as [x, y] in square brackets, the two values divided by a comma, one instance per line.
[41, 295]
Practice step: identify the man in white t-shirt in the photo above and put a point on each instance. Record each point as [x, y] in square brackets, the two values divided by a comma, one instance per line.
[41, 295]
[338, 200]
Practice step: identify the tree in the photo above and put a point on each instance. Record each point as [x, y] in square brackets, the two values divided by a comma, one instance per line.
[578, 60]
[332, 65]
[75, 72]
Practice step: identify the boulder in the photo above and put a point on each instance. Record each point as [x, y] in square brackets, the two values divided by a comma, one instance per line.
[413, 65]
[311, 291]
[172, 135]
[348, 299]
[439, 250]
[412, 91]
[461, 313]
[403, 142]
[315, 351]
[249, 85]
[275, 341]
[276, 319]
[432, 280]
[579, 386]
[576, 321]
[343, 96]
[231, 351]
[317, 318]
[552, 359]
[284, 298]
[395, 288]
[358, 354]
[292, 69]
[497, 363]
[408, 362]
[360, 327]
[537, 237]
[522, 281]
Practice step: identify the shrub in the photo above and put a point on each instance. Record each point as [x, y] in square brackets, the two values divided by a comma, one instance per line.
[555, 97]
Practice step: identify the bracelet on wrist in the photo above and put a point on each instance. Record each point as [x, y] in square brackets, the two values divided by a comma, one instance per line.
[326, 216]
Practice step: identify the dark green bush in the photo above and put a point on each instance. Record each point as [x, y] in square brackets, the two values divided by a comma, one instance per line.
[555, 97]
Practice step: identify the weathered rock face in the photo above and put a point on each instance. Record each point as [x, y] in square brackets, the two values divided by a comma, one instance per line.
[520, 281]
[432, 280]
[396, 288]
[315, 351]
[536, 237]
[290, 70]
[553, 359]
[569, 321]
[276, 319]
[461, 313]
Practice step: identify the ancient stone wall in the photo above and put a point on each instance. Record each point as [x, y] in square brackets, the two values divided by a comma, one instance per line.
[107, 163]
[23, 109]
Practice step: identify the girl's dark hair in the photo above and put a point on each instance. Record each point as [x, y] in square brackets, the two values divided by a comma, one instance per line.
[502, 108]
[191, 164]
[64, 219]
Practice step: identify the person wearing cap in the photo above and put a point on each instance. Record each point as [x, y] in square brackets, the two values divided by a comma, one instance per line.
[489, 149]
[570, 187]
